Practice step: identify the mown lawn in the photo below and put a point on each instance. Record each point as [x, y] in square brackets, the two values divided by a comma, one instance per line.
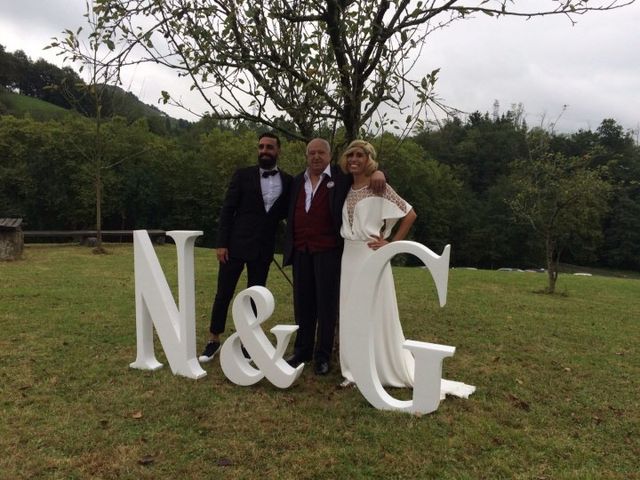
[557, 383]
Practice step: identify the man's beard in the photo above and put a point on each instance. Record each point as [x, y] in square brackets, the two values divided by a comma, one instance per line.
[267, 162]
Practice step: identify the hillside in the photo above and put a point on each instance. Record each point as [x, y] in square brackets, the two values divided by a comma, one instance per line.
[21, 105]
[118, 102]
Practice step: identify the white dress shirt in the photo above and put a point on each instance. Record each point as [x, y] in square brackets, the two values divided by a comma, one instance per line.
[271, 187]
[309, 191]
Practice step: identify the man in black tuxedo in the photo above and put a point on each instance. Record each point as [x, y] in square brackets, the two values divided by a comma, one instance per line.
[313, 246]
[255, 203]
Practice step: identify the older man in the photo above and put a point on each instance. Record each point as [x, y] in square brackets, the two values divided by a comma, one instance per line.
[313, 247]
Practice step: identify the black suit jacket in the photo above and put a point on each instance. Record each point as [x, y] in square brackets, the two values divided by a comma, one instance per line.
[337, 194]
[244, 226]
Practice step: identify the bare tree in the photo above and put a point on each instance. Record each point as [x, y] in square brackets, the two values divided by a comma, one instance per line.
[101, 63]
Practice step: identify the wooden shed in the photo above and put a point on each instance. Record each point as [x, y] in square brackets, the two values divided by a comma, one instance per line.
[11, 238]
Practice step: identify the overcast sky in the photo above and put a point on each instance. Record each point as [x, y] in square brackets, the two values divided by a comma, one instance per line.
[593, 67]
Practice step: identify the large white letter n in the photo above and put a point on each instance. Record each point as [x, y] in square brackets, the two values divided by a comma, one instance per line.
[155, 306]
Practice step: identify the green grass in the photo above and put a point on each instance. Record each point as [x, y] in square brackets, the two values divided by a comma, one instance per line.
[557, 383]
[21, 105]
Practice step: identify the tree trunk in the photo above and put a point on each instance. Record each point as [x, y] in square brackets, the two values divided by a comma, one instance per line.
[99, 211]
[99, 153]
[552, 264]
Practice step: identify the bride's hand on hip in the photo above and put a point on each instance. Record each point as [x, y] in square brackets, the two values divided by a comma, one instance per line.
[377, 242]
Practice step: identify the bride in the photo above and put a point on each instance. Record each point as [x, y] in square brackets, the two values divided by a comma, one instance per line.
[367, 223]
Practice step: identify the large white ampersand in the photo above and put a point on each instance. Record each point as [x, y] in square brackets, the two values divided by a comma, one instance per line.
[250, 334]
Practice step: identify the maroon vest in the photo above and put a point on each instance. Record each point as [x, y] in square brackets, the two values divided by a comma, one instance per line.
[313, 230]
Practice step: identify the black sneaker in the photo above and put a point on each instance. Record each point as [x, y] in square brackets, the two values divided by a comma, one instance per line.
[209, 352]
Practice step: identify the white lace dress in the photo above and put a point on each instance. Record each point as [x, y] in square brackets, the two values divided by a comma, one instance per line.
[365, 215]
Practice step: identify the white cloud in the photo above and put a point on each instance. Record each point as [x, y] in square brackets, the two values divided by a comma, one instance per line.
[544, 63]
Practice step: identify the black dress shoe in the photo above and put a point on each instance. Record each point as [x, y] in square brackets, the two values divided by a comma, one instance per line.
[294, 360]
[321, 368]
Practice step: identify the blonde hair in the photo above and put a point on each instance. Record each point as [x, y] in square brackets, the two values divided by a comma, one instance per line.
[367, 148]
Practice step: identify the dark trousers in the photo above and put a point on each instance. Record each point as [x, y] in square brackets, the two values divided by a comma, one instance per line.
[228, 276]
[316, 295]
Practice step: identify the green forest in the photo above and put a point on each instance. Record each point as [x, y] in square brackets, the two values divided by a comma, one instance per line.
[490, 185]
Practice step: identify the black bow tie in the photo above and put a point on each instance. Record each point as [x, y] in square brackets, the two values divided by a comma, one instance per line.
[269, 173]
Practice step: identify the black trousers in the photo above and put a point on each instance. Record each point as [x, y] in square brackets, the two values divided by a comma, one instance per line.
[228, 276]
[316, 296]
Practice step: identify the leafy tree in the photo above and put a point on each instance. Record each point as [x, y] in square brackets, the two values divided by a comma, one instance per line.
[8, 67]
[622, 232]
[39, 79]
[617, 150]
[562, 199]
[490, 236]
[429, 186]
[478, 152]
[480, 149]
[23, 80]
[340, 62]
[441, 142]
[131, 178]
[40, 174]
[194, 178]
[44, 172]
[611, 147]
